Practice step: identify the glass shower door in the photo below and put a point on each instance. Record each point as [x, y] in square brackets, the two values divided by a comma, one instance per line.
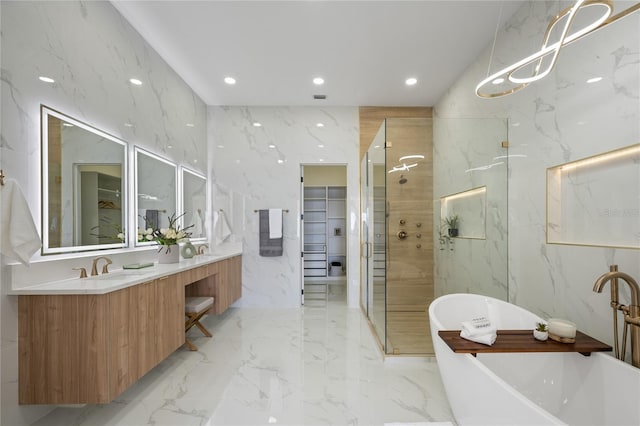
[374, 231]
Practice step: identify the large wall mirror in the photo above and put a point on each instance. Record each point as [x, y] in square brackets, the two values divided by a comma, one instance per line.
[155, 193]
[83, 186]
[194, 203]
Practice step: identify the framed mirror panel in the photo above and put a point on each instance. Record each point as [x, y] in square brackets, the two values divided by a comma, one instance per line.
[84, 188]
[194, 203]
[155, 193]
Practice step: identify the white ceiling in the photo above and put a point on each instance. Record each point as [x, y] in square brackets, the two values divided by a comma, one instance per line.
[364, 50]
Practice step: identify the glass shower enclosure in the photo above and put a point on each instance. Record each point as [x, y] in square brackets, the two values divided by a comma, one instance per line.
[374, 232]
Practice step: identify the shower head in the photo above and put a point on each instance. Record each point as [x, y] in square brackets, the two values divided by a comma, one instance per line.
[402, 180]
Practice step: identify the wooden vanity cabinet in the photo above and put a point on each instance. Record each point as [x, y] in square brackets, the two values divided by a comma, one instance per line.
[223, 280]
[88, 349]
[79, 349]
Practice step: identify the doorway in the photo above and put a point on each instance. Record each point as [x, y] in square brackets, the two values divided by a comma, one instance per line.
[324, 234]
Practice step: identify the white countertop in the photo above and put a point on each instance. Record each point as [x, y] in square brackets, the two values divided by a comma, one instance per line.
[123, 278]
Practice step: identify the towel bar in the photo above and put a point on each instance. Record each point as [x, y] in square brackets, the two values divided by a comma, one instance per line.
[284, 210]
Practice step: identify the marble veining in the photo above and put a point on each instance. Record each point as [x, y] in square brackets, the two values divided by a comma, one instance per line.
[91, 52]
[310, 366]
[559, 119]
[259, 168]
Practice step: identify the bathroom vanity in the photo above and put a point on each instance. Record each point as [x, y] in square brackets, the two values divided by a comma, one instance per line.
[85, 341]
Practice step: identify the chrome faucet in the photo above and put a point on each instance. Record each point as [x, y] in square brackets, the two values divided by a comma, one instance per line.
[631, 313]
[105, 267]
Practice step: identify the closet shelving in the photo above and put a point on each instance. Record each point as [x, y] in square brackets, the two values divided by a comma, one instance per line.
[324, 231]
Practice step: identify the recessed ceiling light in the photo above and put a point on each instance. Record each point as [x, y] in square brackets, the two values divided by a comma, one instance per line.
[230, 80]
[190, 125]
[220, 146]
[135, 81]
[319, 124]
[128, 125]
[594, 80]
[169, 146]
[411, 81]
[257, 124]
[320, 146]
[318, 81]
[280, 161]
[195, 160]
[499, 80]
[272, 146]
[46, 79]
[321, 160]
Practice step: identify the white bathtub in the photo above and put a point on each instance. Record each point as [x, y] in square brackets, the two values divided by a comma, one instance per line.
[529, 388]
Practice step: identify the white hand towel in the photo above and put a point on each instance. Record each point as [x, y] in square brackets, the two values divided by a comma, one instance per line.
[19, 237]
[196, 221]
[275, 223]
[222, 228]
[478, 327]
[486, 339]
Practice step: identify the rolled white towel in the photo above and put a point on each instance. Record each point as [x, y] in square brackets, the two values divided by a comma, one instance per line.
[478, 327]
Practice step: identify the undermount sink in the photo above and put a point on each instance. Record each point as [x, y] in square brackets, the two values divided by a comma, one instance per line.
[117, 275]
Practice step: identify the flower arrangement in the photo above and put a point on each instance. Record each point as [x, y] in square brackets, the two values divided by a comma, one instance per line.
[166, 237]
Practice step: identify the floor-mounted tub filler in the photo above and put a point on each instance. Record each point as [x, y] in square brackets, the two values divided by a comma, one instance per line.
[528, 388]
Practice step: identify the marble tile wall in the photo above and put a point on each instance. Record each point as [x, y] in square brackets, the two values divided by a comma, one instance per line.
[467, 156]
[556, 120]
[91, 51]
[248, 176]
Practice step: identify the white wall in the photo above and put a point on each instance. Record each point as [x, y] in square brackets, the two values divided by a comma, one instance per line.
[91, 52]
[553, 121]
[247, 177]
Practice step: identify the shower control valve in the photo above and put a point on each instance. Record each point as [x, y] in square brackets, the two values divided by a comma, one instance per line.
[402, 222]
[402, 235]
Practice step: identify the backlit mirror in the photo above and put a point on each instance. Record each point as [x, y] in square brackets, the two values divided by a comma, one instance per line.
[84, 186]
[156, 198]
[194, 203]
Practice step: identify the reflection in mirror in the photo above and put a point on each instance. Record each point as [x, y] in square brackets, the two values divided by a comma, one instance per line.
[155, 193]
[194, 203]
[84, 195]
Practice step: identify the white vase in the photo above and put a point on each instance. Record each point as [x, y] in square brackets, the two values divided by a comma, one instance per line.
[172, 255]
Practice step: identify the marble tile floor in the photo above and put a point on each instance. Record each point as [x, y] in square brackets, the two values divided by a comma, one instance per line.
[308, 366]
[319, 293]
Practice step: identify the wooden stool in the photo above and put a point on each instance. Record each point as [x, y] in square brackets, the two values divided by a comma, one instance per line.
[194, 309]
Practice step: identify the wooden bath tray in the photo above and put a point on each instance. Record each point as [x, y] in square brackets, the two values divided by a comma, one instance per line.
[522, 341]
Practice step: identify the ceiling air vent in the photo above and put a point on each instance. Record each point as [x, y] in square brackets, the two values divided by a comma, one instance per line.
[319, 96]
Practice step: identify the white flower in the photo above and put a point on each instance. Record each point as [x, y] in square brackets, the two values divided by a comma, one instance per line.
[149, 237]
[149, 231]
[120, 236]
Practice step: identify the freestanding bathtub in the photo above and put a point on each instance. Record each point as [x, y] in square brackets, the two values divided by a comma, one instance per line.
[529, 388]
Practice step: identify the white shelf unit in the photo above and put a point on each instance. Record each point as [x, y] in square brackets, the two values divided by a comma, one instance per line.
[325, 231]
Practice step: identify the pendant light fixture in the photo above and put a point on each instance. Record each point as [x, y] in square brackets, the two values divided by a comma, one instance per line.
[515, 77]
